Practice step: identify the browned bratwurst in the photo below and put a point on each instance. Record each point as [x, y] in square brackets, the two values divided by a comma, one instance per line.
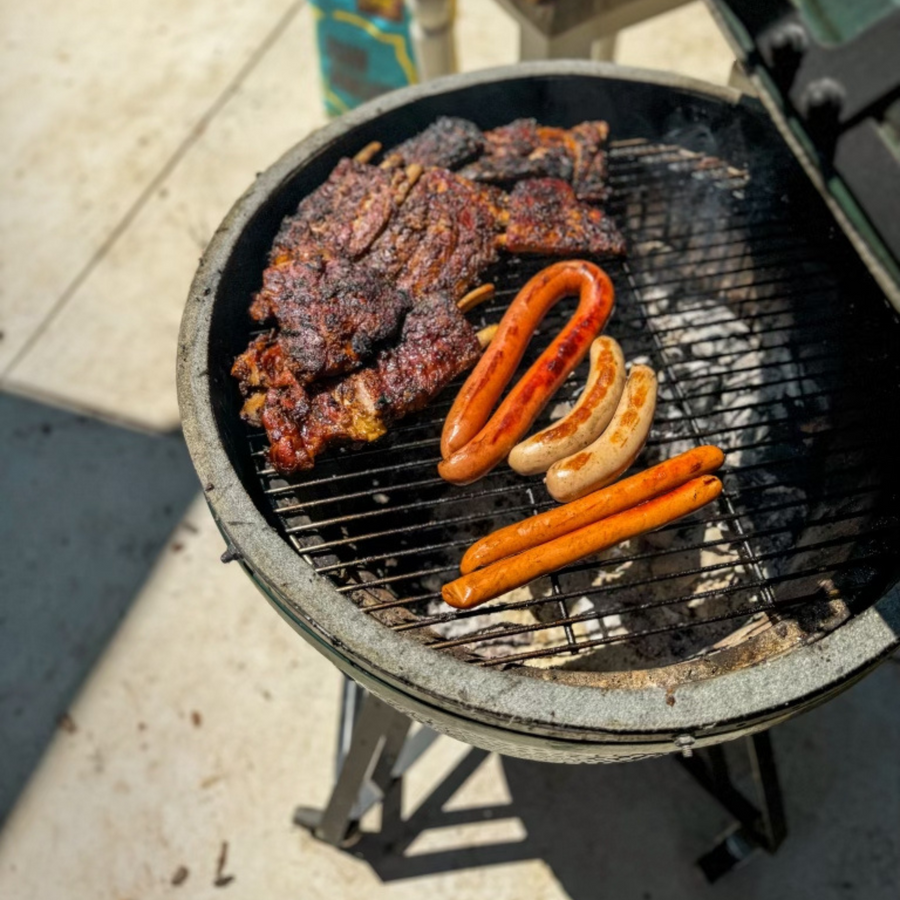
[472, 443]
[586, 421]
[604, 460]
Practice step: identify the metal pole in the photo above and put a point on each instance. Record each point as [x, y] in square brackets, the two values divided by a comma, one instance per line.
[366, 770]
[432, 36]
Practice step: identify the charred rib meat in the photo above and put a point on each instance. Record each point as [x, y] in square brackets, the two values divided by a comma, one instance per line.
[521, 149]
[443, 236]
[344, 215]
[449, 142]
[436, 344]
[545, 216]
[524, 149]
[332, 314]
[590, 168]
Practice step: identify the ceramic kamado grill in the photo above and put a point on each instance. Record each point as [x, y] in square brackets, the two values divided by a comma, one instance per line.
[760, 284]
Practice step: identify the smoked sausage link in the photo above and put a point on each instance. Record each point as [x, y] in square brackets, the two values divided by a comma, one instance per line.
[617, 497]
[514, 571]
[473, 441]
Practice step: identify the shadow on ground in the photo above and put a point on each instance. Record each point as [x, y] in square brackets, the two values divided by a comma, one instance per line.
[634, 830]
[85, 509]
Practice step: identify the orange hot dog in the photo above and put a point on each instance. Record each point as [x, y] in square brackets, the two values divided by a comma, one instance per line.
[606, 502]
[514, 571]
[473, 441]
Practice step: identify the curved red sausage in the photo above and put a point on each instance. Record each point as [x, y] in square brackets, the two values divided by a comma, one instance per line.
[472, 443]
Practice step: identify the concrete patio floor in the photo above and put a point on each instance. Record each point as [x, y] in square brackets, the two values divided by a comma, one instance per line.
[153, 709]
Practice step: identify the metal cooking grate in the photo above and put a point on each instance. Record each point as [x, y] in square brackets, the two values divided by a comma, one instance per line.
[734, 297]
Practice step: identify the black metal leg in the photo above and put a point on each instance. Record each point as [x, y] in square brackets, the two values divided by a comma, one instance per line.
[768, 788]
[761, 827]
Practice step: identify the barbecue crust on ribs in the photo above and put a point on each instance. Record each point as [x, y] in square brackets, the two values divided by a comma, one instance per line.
[523, 149]
[436, 344]
[590, 169]
[345, 214]
[545, 216]
[332, 312]
[442, 237]
[332, 315]
[448, 142]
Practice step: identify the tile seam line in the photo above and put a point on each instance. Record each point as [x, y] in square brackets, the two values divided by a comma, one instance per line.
[153, 185]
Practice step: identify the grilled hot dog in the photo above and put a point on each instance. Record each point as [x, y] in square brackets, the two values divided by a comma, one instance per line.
[588, 418]
[472, 443]
[607, 502]
[514, 571]
[616, 449]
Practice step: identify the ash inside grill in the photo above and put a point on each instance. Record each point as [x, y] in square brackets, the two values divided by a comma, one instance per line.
[769, 341]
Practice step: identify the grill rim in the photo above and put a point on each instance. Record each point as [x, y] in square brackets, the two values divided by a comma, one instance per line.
[403, 668]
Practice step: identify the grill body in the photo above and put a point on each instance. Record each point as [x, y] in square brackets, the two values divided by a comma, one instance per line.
[701, 178]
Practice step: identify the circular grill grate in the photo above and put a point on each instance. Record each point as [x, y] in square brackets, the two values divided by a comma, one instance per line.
[763, 347]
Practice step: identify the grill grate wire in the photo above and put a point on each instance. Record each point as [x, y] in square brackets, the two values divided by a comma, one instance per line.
[759, 349]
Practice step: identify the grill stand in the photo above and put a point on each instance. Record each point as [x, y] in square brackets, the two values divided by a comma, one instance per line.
[375, 750]
[761, 827]
[372, 755]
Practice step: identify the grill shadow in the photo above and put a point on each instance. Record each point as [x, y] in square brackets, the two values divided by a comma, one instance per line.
[88, 508]
[615, 830]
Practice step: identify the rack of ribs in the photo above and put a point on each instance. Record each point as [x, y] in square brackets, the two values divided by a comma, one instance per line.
[375, 249]
[442, 237]
[448, 142]
[333, 312]
[545, 216]
[345, 214]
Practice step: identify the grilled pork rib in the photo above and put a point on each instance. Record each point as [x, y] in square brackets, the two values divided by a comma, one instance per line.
[524, 149]
[448, 142]
[436, 344]
[334, 313]
[545, 216]
[442, 237]
[344, 215]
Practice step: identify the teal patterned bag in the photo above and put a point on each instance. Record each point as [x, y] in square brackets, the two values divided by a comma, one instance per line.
[364, 50]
